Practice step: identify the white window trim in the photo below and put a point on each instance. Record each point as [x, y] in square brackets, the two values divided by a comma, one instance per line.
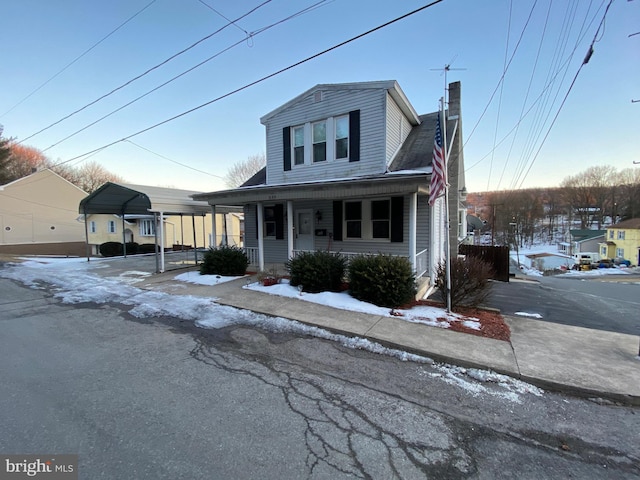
[367, 222]
[142, 230]
[330, 142]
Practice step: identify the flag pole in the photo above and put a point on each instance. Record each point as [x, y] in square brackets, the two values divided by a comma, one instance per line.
[447, 223]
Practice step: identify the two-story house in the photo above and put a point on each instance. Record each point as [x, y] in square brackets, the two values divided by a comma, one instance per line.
[622, 241]
[348, 170]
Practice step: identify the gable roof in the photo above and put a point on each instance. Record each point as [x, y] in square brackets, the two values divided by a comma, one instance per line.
[391, 86]
[633, 223]
[581, 235]
[37, 176]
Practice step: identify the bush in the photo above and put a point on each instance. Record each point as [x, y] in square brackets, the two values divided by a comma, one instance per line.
[224, 260]
[114, 249]
[470, 283]
[147, 248]
[317, 271]
[111, 249]
[383, 280]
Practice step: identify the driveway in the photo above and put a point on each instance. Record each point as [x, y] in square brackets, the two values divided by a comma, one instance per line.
[608, 302]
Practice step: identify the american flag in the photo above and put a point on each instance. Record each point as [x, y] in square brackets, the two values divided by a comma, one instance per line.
[439, 173]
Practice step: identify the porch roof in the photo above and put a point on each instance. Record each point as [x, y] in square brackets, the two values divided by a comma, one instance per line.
[393, 183]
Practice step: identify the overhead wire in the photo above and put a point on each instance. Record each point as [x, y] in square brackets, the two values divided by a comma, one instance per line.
[217, 54]
[79, 57]
[173, 161]
[260, 80]
[155, 67]
[575, 78]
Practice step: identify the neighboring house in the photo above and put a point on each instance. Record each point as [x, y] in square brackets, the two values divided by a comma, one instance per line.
[348, 170]
[622, 241]
[543, 261]
[584, 240]
[144, 214]
[38, 215]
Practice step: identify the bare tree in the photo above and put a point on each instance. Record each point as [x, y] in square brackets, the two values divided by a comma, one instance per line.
[91, 176]
[243, 170]
[588, 194]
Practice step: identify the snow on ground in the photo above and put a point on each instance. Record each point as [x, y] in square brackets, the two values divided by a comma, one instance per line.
[432, 316]
[75, 281]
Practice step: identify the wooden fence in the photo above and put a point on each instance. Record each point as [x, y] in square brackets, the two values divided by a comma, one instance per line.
[498, 257]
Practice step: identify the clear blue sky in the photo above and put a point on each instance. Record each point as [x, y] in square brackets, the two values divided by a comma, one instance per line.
[599, 125]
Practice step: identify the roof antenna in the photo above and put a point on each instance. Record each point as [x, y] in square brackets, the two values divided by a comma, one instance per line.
[446, 69]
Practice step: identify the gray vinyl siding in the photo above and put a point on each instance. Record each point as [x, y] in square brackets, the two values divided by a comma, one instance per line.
[372, 106]
[398, 127]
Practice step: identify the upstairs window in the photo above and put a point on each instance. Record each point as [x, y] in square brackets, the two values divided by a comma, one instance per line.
[319, 137]
[611, 234]
[298, 145]
[111, 226]
[620, 234]
[342, 137]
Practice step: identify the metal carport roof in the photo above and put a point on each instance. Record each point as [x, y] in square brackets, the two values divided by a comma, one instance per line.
[123, 199]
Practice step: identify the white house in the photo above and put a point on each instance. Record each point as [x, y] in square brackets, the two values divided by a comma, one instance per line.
[348, 170]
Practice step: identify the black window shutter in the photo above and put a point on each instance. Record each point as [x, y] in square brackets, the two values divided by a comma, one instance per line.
[337, 220]
[397, 219]
[279, 213]
[286, 147]
[354, 136]
[256, 219]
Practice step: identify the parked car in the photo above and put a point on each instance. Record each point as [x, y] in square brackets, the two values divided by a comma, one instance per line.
[603, 263]
[621, 261]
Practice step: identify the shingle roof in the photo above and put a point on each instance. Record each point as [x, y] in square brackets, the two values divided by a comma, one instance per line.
[631, 223]
[260, 178]
[416, 151]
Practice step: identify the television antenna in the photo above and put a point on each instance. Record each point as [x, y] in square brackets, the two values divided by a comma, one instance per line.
[445, 69]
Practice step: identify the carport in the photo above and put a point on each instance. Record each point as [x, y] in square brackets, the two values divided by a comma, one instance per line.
[126, 199]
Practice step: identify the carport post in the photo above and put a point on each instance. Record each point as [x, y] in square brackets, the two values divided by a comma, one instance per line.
[155, 234]
[195, 241]
[86, 235]
[161, 214]
[124, 238]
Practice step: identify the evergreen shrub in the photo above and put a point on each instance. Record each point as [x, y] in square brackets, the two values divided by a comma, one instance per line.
[383, 280]
[224, 260]
[317, 271]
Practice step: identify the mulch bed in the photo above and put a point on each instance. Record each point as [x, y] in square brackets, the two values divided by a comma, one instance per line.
[492, 323]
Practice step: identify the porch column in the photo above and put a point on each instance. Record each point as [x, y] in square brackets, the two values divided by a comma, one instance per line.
[213, 226]
[289, 229]
[413, 220]
[155, 235]
[260, 214]
[161, 235]
[195, 239]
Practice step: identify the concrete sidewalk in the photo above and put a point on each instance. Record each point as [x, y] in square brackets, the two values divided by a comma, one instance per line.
[575, 360]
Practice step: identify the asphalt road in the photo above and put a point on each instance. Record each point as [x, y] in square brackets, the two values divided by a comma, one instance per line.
[607, 303]
[162, 399]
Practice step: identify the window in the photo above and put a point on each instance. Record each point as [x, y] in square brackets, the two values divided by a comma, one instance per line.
[620, 252]
[298, 145]
[270, 221]
[603, 251]
[611, 234]
[620, 234]
[342, 137]
[111, 226]
[380, 218]
[92, 226]
[147, 228]
[319, 137]
[353, 218]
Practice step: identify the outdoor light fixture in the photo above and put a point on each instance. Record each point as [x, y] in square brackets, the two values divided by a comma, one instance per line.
[318, 216]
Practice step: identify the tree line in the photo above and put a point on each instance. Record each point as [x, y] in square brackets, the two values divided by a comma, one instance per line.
[17, 161]
[593, 199]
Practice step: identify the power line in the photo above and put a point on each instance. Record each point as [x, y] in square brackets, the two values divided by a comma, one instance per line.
[144, 73]
[79, 57]
[221, 15]
[260, 80]
[171, 160]
[584, 62]
[253, 34]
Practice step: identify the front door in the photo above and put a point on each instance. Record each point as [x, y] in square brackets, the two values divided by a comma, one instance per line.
[304, 230]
